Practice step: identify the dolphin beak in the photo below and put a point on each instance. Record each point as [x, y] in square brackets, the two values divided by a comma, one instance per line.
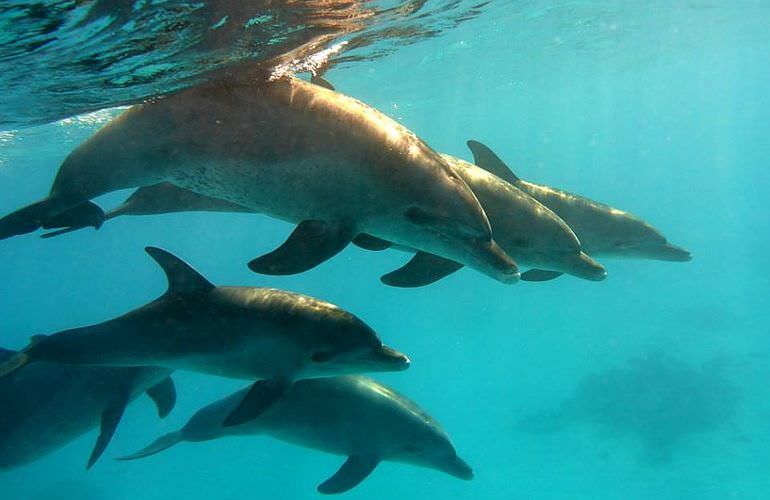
[494, 262]
[588, 268]
[388, 359]
[459, 468]
[673, 253]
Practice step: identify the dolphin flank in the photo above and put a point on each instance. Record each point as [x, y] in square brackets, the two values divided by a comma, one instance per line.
[352, 416]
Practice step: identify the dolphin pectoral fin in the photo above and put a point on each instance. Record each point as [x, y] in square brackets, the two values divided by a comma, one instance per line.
[369, 242]
[540, 275]
[311, 243]
[109, 422]
[261, 395]
[355, 469]
[485, 158]
[182, 279]
[321, 82]
[423, 269]
[163, 395]
[160, 444]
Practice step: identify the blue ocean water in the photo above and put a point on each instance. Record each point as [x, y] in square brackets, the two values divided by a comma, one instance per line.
[658, 109]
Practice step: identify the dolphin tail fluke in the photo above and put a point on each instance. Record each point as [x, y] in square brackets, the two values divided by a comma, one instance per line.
[15, 362]
[160, 444]
[86, 214]
[47, 214]
[25, 220]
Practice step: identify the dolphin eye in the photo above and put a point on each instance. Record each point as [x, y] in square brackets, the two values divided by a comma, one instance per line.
[321, 357]
[418, 216]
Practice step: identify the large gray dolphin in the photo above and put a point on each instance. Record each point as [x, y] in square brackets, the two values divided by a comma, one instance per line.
[603, 230]
[237, 332]
[45, 406]
[287, 148]
[351, 416]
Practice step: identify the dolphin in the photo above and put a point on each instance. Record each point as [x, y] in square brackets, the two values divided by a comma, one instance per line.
[237, 332]
[352, 416]
[45, 406]
[287, 148]
[603, 230]
[527, 230]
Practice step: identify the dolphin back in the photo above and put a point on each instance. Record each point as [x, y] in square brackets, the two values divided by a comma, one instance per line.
[6, 354]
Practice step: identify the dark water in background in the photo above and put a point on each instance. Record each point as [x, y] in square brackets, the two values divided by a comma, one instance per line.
[659, 109]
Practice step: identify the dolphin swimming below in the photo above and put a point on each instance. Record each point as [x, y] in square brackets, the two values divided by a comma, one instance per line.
[603, 230]
[237, 332]
[352, 416]
[45, 406]
[289, 149]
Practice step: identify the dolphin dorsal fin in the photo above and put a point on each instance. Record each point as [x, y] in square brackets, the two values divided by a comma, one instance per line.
[182, 279]
[37, 338]
[485, 158]
[321, 82]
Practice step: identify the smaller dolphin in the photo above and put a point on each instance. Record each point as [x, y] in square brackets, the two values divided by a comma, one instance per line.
[237, 332]
[603, 230]
[351, 416]
[45, 406]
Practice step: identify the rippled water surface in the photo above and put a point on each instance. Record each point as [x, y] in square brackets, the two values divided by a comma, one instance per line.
[650, 384]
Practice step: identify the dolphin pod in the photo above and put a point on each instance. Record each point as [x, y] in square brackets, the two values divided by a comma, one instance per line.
[236, 332]
[287, 148]
[352, 416]
[45, 406]
[343, 173]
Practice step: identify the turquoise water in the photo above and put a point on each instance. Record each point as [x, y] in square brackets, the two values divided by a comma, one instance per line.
[660, 110]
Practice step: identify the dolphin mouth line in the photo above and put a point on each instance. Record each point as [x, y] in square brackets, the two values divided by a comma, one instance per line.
[472, 247]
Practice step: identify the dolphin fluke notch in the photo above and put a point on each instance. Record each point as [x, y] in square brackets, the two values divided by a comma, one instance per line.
[355, 469]
[261, 395]
[160, 444]
[423, 269]
[163, 394]
[311, 243]
[109, 422]
[182, 278]
[485, 158]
